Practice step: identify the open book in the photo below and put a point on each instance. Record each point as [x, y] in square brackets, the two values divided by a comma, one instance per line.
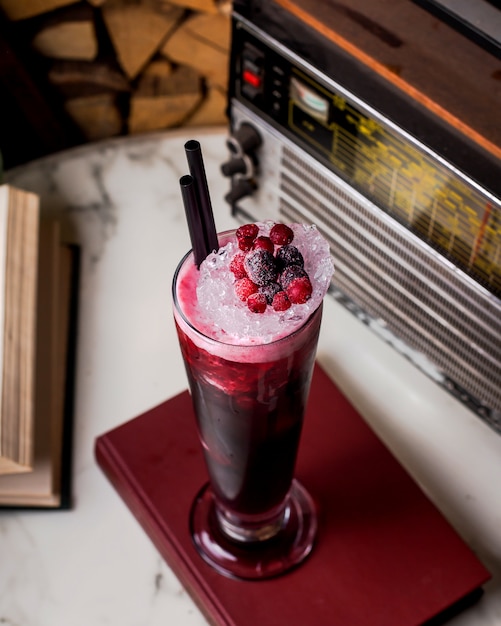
[19, 228]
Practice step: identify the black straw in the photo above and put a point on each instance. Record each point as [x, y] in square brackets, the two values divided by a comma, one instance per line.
[197, 172]
[194, 218]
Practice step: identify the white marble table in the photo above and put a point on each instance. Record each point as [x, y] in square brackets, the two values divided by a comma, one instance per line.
[94, 564]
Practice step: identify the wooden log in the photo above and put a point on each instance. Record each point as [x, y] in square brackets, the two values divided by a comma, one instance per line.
[161, 112]
[67, 40]
[225, 7]
[164, 100]
[212, 111]
[98, 116]
[187, 46]
[214, 30]
[138, 29]
[22, 9]
[160, 78]
[156, 78]
[81, 78]
[206, 6]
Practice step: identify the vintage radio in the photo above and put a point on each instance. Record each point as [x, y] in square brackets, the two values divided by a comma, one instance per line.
[380, 122]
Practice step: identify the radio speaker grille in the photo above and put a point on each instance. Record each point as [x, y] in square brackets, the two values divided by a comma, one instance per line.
[397, 283]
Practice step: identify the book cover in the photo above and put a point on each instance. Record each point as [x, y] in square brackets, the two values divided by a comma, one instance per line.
[384, 556]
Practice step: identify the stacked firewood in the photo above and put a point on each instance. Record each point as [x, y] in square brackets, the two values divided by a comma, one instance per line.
[131, 66]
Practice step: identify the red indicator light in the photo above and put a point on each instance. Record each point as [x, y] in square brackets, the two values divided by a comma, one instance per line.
[252, 79]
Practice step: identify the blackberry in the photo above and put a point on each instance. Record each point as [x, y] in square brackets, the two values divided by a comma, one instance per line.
[290, 273]
[270, 290]
[289, 255]
[261, 267]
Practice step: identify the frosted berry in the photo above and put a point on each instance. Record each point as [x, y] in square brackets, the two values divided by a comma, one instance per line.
[244, 288]
[257, 302]
[281, 301]
[264, 243]
[281, 234]
[270, 290]
[246, 235]
[245, 243]
[247, 231]
[289, 255]
[290, 273]
[299, 290]
[261, 267]
[237, 265]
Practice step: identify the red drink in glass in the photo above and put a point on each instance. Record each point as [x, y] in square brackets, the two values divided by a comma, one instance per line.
[252, 520]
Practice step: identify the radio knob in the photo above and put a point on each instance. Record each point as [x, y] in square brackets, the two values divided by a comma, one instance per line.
[236, 165]
[244, 140]
[240, 189]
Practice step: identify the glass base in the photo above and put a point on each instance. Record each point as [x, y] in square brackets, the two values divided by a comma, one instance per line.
[253, 560]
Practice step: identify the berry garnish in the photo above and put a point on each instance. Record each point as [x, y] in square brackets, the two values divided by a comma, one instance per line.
[299, 290]
[257, 302]
[246, 235]
[247, 231]
[245, 243]
[264, 243]
[244, 288]
[268, 270]
[237, 265]
[290, 273]
[289, 255]
[281, 301]
[261, 267]
[281, 234]
[270, 290]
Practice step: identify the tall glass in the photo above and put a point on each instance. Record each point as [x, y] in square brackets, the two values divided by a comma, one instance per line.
[253, 519]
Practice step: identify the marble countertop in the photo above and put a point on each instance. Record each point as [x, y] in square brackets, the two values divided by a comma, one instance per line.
[94, 564]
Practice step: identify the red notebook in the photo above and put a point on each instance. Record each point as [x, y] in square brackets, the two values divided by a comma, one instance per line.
[385, 556]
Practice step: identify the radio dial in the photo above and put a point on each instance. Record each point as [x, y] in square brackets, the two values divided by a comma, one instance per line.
[244, 140]
[242, 164]
[238, 165]
[240, 189]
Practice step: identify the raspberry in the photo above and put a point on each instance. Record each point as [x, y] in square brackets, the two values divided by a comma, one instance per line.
[246, 235]
[257, 302]
[247, 231]
[270, 290]
[245, 243]
[281, 301]
[281, 234]
[299, 290]
[265, 243]
[237, 265]
[290, 273]
[244, 288]
[289, 255]
[261, 267]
